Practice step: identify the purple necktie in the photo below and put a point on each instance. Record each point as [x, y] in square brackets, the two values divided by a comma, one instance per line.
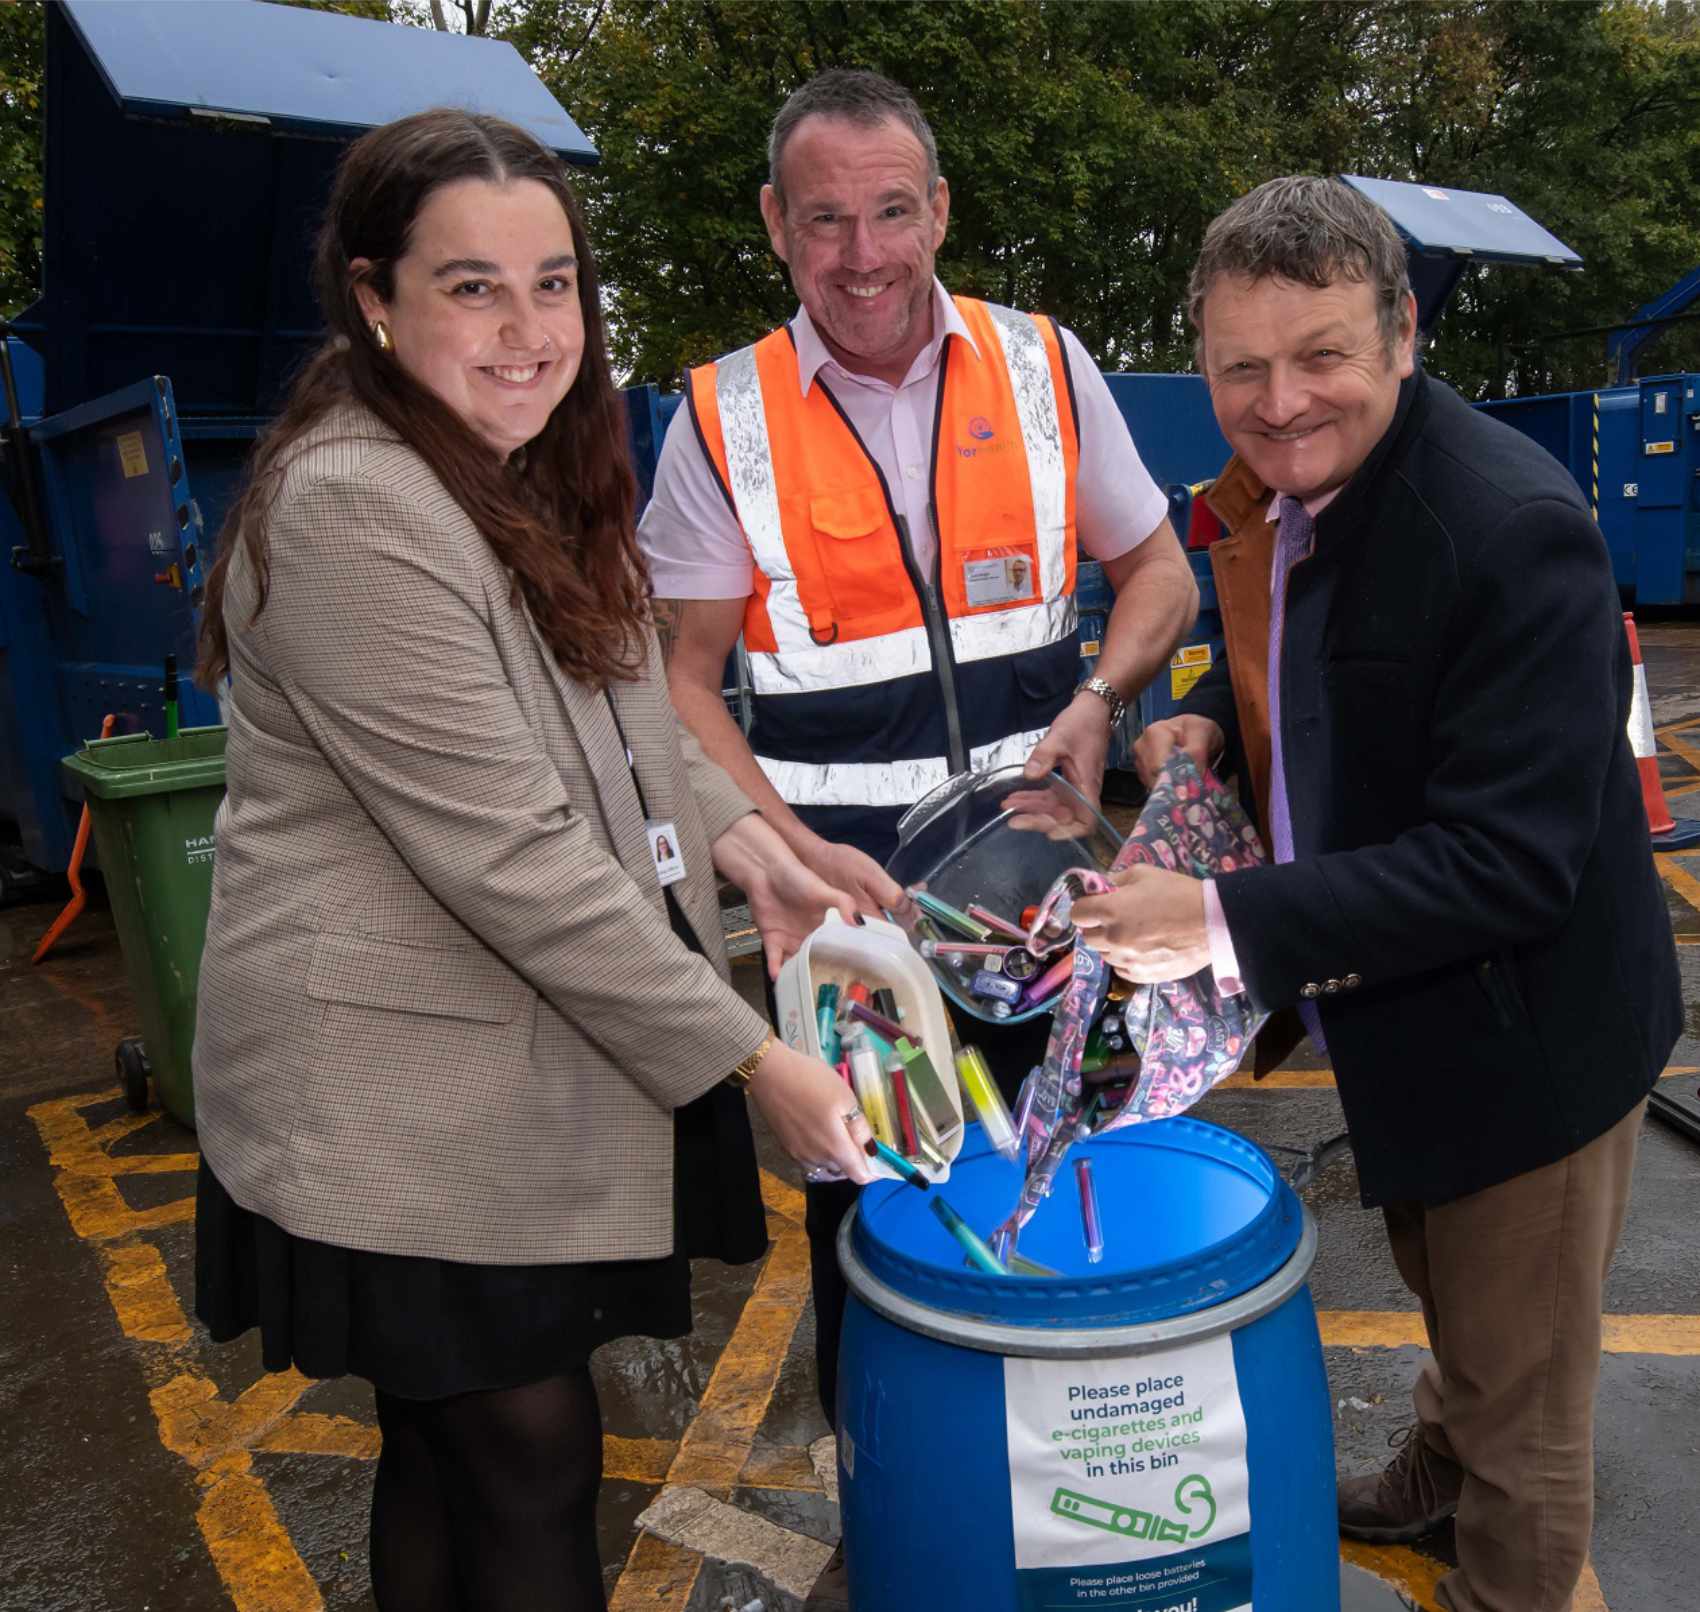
[1293, 538]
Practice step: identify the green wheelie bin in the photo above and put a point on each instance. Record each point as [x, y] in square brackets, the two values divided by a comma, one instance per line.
[151, 802]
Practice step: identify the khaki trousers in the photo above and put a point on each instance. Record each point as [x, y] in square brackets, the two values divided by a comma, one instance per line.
[1510, 1280]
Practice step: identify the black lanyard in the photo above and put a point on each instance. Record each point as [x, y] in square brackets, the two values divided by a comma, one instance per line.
[631, 764]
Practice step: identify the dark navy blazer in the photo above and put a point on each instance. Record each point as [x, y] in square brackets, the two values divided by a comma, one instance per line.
[1469, 835]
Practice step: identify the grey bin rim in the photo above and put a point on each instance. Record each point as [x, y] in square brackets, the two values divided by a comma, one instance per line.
[1076, 1343]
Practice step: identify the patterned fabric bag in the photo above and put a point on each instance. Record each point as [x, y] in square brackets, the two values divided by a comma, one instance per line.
[1185, 1034]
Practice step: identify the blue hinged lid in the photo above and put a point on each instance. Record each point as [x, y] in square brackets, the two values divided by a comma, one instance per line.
[1445, 230]
[307, 72]
[1193, 1216]
[189, 150]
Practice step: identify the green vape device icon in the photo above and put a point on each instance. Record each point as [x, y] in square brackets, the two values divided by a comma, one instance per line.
[1191, 1492]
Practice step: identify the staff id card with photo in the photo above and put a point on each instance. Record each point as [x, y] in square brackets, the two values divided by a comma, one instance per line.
[664, 852]
[998, 579]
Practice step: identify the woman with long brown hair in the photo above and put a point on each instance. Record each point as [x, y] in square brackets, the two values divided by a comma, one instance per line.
[467, 1062]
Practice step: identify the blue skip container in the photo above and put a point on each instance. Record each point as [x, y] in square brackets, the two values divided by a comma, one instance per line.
[1148, 1434]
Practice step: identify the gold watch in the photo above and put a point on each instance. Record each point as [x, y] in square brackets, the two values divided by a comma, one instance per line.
[744, 1070]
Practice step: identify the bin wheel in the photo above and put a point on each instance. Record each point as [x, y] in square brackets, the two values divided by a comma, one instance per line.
[133, 1071]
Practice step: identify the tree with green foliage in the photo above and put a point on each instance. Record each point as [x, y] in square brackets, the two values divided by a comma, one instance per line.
[1088, 143]
[21, 50]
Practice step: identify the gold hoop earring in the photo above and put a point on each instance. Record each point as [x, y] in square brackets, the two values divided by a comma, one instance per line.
[381, 335]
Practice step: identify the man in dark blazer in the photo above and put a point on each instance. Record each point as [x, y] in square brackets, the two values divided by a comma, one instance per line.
[1461, 902]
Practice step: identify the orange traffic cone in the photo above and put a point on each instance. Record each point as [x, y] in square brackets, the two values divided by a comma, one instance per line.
[1666, 832]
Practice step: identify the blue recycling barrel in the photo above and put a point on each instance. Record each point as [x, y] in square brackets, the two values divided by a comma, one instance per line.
[1151, 1433]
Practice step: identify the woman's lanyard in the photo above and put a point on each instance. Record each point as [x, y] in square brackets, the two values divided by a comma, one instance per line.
[665, 852]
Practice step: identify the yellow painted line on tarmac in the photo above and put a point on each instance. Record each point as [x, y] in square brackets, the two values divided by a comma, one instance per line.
[256, 1559]
[1678, 877]
[1282, 1080]
[1652, 1335]
[141, 1293]
[656, 1575]
[199, 1424]
[1677, 1335]
[718, 1441]
[1589, 1596]
[780, 1466]
[1408, 1571]
[637, 1460]
[1673, 741]
[249, 1545]
[311, 1433]
[85, 1173]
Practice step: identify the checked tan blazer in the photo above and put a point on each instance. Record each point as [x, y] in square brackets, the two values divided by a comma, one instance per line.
[441, 1009]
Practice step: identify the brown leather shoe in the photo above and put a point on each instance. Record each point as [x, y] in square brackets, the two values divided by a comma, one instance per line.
[1410, 1497]
[832, 1589]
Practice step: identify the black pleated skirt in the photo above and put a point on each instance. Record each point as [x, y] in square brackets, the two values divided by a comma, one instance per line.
[428, 1328]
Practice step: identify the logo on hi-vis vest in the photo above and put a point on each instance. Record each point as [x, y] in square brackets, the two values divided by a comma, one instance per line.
[980, 429]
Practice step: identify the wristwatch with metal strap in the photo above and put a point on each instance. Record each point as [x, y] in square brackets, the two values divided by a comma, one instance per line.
[1106, 692]
[744, 1071]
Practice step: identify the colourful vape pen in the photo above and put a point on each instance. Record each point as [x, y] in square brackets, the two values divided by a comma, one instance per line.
[1049, 983]
[948, 915]
[1021, 1265]
[869, 1084]
[950, 950]
[900, 1099]
[876, 1149]
[1089, 1221]
[889, 1029]
[996, 987]
[979, 1255]
[826, 1022]
[975, 1077]
[992, 921]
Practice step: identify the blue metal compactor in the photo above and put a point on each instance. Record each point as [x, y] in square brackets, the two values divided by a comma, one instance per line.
[189, 148]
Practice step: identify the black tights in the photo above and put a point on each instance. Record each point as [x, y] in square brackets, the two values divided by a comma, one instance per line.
[487, 1502]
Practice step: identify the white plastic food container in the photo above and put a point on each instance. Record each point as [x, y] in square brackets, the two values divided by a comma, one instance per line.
[879, 954]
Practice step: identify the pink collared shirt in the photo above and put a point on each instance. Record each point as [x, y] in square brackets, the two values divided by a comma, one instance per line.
[696, 549]
[1224, 964]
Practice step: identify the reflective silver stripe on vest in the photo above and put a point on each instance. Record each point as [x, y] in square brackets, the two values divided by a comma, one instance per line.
[1029, 368]
[850, 664]
[1011, 632]
[884, 783]
[749, 467]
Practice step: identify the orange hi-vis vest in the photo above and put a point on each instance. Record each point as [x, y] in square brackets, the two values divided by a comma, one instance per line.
[873, 683]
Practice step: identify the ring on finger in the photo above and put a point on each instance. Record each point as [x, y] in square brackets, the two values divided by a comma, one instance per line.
[851, 1116]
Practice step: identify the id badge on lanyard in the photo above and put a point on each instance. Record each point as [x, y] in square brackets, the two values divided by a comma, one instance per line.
[997, 579]
[664, 851]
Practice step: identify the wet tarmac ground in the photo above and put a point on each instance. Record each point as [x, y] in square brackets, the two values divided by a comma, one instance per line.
[143, 1469]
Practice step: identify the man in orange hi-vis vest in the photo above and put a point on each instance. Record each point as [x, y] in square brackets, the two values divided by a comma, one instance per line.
[885, 498]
